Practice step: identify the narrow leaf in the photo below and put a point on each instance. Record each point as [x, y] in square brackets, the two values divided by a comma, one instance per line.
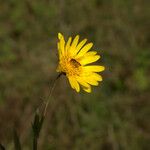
[17, 144]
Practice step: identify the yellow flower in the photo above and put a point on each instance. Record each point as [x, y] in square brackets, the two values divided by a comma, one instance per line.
[74, 57]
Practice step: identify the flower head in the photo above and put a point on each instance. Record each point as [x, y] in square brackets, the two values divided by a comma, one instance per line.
[74, 60]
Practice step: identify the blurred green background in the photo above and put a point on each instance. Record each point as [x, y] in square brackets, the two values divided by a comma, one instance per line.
[116, 115]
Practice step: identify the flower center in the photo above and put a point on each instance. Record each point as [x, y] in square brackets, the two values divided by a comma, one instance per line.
[75, 63]
[70, 67]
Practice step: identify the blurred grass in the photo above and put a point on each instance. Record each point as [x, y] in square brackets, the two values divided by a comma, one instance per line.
[116, 115]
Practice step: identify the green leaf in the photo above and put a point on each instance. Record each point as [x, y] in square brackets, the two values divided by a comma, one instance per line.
[16, 141]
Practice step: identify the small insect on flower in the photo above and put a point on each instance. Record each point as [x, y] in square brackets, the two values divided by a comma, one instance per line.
[74, 60]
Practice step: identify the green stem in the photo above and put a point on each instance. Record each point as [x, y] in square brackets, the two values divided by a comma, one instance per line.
[35, 142]
[50, 93]
[39, 119]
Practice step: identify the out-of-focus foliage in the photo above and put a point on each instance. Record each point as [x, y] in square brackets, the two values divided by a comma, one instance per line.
[116, 115]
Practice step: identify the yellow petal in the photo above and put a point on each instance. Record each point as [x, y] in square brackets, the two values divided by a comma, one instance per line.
[68, 43]
[91, 80]
[88, 90]
[73, 46]
[93, 68]
[59, 52]
[75, 41]
[61, 43]
[89, 59]
[84, 50]
[60, 36]
[86, 87]
[82, 82]
[96, 76]
[74, 84]
[91, 53]
[79, 46]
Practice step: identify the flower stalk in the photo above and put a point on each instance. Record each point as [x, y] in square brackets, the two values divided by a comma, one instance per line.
[39, 118]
